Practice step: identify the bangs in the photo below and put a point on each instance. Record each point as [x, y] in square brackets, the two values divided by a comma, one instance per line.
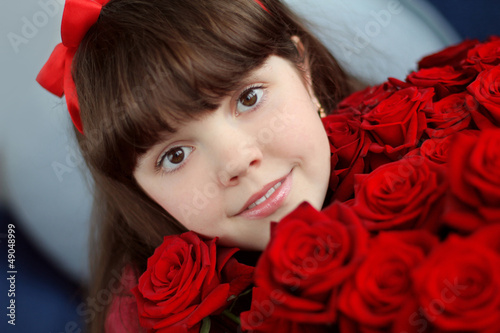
[148, 76]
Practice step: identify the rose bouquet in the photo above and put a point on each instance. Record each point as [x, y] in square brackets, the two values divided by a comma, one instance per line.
[187, 280]
[410, 241]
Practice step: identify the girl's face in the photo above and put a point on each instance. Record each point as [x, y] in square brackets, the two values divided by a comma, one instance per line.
[252, 161]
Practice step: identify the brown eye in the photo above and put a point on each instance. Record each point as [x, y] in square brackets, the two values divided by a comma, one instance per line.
[249, 99]
[175, 155]
[174, 158]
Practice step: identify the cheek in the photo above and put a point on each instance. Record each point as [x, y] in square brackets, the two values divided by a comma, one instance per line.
[196, 204]
[307, 138]
[303, 132]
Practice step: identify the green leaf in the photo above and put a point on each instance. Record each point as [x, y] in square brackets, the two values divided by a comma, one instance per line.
[205, 325]
[246, 292]
[232, 316]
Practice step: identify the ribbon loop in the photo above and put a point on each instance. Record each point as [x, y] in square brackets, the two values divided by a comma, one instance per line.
[55, 75]
[49, 76]
[78, 17]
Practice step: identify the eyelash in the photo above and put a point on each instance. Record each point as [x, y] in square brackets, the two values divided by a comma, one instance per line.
[159, 164]
[245, 92]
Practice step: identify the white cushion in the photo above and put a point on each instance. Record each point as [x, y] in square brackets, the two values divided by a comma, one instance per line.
[374, 39]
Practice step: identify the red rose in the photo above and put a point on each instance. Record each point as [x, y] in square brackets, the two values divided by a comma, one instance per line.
[484, 56]
[309, 256]
[453, 55]
[450, 115]
[486, 90]
[350, 144]
[397, 123]
[188, 279]
[474, 174]
[445, 80]
[458, 285]
[407, 194]
[382, 286]
[367, 98]
[437, 149]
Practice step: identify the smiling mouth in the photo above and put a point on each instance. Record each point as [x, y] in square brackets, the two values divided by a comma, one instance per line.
[268, 200]
[265, 196]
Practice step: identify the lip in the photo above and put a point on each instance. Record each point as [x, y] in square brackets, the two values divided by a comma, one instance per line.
[272, 204]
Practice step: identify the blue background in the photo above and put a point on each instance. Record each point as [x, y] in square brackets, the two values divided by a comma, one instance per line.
[471, 18]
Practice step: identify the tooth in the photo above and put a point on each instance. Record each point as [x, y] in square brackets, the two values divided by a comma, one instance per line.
[265, 197]
[271, 191]
[261, 200]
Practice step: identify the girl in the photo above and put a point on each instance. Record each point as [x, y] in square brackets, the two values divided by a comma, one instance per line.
[193, 115]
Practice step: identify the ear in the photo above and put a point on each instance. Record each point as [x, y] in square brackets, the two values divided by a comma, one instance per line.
[304, 66]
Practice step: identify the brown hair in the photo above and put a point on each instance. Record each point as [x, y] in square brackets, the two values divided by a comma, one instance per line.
[147, 61]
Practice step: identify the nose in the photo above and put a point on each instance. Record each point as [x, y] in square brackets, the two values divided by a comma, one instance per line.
[238, 154]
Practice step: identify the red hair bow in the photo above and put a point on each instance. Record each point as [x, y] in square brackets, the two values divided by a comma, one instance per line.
[55, 76]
